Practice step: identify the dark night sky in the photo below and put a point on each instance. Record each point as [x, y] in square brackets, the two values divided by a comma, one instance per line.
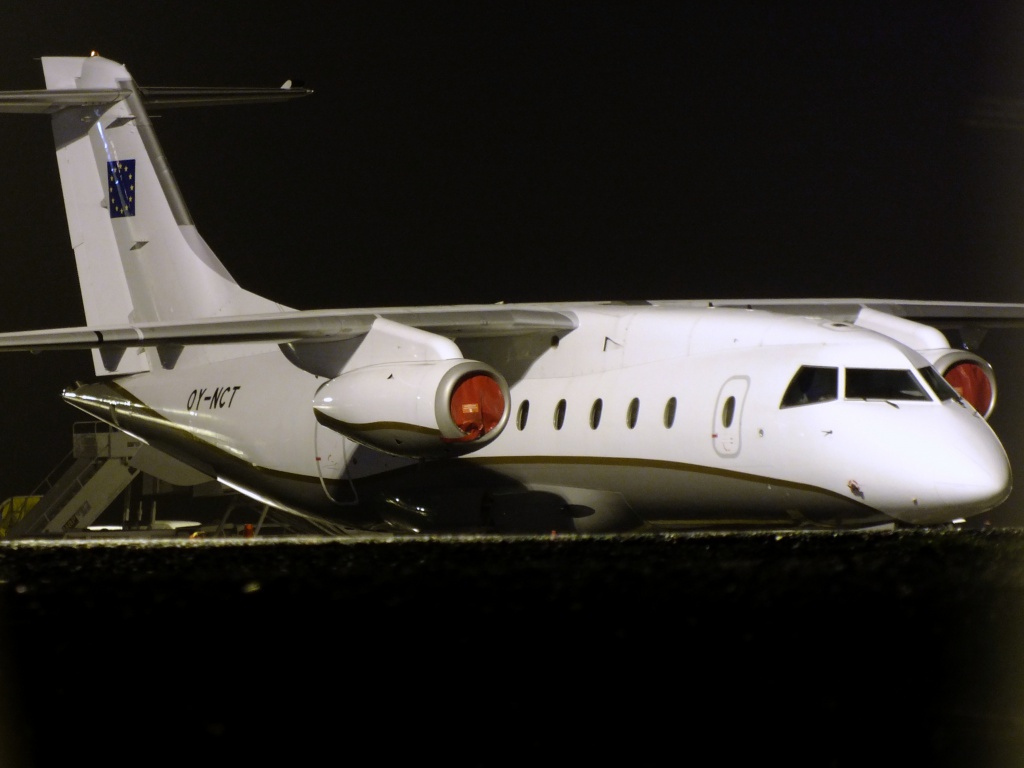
[478, 152]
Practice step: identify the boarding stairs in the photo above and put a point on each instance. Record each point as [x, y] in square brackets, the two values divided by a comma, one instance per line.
[100, 468]
[90, 478]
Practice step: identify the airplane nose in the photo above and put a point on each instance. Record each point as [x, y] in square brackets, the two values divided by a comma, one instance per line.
[944, 479]
[977, 486]
[979, 477]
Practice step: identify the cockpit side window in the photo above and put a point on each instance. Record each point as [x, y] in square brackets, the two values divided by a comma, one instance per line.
[883, 384]
[942, 388]
[811, 384]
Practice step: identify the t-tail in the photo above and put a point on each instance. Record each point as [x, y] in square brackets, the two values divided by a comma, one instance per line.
[139, 255]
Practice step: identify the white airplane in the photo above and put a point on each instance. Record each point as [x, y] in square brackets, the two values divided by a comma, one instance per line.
[585, 416]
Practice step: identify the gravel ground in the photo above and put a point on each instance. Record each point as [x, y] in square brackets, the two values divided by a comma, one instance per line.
[811, 648]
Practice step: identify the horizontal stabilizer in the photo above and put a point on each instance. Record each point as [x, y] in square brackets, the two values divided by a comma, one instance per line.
[44, 102]
[212, 97]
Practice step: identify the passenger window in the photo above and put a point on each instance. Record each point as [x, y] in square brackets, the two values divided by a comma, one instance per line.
[560, 414]
[812, 384]
[632, 412]
[595, 413]
[670, 413]
[883, 384]
[524, 412]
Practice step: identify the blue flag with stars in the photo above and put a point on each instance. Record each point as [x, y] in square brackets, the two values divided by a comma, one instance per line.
[121, 185]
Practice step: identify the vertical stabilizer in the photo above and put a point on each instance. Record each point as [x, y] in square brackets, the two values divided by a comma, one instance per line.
[139, 255]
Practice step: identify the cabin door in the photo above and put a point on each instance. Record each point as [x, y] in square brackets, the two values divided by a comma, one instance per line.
[725, 429]
[332, 456]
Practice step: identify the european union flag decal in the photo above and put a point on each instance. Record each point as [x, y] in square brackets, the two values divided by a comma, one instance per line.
[121, 185]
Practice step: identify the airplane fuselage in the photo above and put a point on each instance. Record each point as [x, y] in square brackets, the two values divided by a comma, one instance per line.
[641, 417]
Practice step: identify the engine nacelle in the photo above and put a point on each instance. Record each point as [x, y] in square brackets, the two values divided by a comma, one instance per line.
[428, 409]
[970, 375]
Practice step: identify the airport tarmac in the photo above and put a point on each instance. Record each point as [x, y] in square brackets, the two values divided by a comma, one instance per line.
[808, 648]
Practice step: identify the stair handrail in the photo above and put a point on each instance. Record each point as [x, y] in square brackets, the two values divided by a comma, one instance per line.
[49, 481]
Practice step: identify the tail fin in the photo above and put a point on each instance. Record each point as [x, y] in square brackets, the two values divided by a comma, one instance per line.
[139, 256]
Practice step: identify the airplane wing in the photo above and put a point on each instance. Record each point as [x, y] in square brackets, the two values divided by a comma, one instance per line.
[467, 321]
[478, 321]
[940, 314]
[970, 320]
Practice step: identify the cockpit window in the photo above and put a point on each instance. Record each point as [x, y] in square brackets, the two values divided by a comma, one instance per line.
[811, 384]
[883, 384]
[941, 387]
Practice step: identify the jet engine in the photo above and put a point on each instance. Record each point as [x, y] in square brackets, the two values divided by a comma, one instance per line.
[417, 409]
[970, 375]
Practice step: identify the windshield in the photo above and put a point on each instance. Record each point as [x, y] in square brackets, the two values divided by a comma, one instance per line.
[942, 388]
[883, 384]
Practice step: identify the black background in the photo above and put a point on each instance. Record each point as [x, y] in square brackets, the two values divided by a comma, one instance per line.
[479, 152]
